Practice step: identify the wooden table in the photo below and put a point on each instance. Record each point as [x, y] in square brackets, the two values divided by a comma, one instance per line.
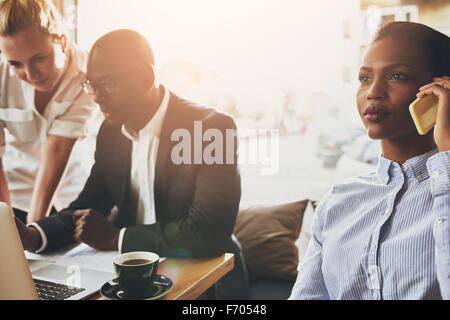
[191, 278]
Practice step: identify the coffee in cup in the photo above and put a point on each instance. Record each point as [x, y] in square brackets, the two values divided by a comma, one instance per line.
[135, 262]
[136, 272]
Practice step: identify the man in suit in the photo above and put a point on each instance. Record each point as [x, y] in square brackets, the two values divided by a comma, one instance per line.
[176, 210]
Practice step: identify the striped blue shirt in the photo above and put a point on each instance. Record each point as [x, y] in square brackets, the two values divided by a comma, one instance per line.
[385, 235]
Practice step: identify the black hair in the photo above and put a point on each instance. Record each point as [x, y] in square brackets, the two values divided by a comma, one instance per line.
[435, 43]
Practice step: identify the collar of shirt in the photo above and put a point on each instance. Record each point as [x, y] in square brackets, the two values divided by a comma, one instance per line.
[413, 168]
[153, 127]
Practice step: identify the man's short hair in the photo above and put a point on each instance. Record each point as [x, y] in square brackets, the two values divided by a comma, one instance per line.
[17, 15]
[126, 43]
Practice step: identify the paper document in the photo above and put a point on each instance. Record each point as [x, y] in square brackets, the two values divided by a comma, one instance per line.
[81, 255]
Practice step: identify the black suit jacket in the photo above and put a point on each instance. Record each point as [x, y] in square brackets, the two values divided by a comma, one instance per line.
[196, 205]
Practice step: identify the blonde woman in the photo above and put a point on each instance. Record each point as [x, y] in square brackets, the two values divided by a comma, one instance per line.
[43, 110]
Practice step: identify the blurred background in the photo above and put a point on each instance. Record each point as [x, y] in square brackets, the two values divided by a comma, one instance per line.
[289, 65]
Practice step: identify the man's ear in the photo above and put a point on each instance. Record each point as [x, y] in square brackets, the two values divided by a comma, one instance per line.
[149, 80]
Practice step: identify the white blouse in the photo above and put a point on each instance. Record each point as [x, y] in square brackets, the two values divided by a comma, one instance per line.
[67, 115]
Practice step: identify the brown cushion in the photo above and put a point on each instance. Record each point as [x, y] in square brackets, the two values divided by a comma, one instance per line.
[267, 236]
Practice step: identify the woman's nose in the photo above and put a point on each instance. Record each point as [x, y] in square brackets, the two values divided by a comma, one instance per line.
[377, 90]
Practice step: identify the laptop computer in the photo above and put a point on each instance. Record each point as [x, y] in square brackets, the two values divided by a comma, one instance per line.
[33, 280]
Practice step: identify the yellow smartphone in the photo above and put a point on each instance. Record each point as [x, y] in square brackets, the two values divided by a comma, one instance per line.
[424, 113]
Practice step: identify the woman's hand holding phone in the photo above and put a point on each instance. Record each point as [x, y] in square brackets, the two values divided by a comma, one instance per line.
[440, 87]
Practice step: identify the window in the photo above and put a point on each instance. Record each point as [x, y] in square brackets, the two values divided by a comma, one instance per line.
[346, 28]
[374, 17]
[285, 70]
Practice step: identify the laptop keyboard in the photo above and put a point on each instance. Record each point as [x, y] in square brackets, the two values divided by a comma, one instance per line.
[55, 291]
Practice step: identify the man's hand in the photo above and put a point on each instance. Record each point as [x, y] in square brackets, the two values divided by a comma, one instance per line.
[92, 228]
[31, 238]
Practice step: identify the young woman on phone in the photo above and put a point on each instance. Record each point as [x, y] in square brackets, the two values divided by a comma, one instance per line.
[386, 235]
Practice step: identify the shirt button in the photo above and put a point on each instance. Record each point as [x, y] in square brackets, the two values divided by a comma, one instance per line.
[404, 167]
[440, 220]
[419, 177]
[435, 175]
[387, 211]
[376, 295]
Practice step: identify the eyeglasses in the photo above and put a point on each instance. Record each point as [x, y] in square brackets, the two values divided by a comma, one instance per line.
[108, 85]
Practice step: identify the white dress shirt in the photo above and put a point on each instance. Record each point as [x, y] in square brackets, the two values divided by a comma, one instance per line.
[67, 115]
[143, 163]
